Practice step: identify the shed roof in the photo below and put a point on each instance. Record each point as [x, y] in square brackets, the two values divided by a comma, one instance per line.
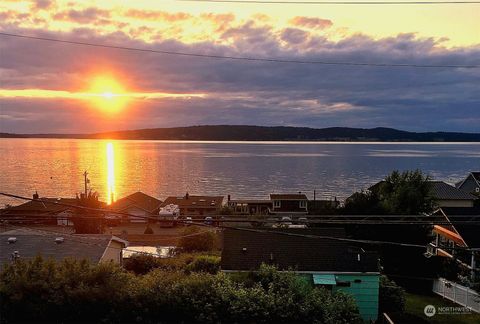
[247, 250]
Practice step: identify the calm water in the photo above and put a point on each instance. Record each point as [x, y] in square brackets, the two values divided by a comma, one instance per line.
[54, 167]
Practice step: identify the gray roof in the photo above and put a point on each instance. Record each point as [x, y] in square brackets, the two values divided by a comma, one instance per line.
[247, 250]
[30, 244]
[443, 191]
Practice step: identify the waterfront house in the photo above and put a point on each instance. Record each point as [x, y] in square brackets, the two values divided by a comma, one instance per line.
[249, 206]
[289, 204]
[139, 205]
[454, 233]
[196, 205]
[471, 183]
[330, 263]
[47, 211]
[26, 244]
[446, 195]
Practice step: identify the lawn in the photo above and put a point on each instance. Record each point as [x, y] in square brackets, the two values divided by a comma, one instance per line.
[416, 304]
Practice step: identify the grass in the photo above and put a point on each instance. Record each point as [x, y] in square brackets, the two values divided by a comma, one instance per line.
[416, 304]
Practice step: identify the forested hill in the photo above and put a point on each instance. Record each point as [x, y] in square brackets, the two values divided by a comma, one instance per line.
[262, 133]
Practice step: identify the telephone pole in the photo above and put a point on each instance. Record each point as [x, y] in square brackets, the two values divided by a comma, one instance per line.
[85, 174]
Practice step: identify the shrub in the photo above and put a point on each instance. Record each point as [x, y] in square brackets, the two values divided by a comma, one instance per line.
[195, 239]
[148, 230]
[78, 291]
[204, 263]
[391, 296]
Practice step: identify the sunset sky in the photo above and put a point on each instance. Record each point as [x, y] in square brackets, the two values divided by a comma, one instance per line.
[50, 87]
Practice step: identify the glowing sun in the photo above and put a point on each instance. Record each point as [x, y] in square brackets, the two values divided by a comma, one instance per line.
[108, 94]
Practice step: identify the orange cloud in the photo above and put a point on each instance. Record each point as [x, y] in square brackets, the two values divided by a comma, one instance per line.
[311, 22]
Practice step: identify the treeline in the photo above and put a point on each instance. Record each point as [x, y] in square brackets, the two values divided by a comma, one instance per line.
[276, 133]
[78, 291]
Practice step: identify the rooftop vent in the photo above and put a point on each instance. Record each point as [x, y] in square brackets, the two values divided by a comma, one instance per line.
[11, 240]
[59, 240]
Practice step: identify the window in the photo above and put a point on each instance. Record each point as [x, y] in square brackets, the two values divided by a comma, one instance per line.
[303, 204]
[276, 203]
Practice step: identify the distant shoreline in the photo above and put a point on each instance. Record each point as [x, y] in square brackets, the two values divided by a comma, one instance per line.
[235, 133]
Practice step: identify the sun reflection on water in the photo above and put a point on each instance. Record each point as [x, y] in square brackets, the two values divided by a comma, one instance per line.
[110, 173]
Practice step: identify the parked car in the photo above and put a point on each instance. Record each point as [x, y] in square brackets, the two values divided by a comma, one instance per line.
[188, 221]
[208, 220]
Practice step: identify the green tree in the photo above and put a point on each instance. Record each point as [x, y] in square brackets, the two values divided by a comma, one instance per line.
[87, 221]
[391, 296]
[195, 239]
[407, 193]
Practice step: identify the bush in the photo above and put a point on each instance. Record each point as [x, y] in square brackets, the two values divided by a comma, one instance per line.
[195, 239]
[204, 263]
[391, 297]
[148, 230]
[77, 291]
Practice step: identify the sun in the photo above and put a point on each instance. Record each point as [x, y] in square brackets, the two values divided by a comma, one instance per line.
[107, 93]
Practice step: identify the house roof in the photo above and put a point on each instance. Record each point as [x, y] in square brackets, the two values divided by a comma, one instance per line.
[443, 191]
[49, 206]
[288, 197]
[251, 201]
[139, 200]
[476, 175]
[245, 250]
[457, 216]
[194, 201]
[31, 243]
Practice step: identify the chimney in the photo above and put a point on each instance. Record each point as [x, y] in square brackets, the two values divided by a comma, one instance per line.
[228, 198]
[35, 195]
[186, 195]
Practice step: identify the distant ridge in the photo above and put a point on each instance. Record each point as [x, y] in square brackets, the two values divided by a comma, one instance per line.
[265, 133]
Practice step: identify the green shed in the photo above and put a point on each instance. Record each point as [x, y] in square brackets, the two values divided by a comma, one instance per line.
[364, 288]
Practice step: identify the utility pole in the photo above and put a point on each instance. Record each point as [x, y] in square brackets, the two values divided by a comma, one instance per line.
[85, 174]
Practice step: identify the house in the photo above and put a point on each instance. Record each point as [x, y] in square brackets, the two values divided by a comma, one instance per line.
[196, 205]
[456, 232]
[48, 211]
[326, 262]
[26, 244]
[446, 195]
[471, 183]
[289, 204]
[249, 206]
[137, 204]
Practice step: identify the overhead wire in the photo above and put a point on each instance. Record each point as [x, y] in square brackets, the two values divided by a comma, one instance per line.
[242, 58]
[245, 228]
[355, 3]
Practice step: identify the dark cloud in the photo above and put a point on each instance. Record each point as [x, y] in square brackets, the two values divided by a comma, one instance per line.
[246, 92]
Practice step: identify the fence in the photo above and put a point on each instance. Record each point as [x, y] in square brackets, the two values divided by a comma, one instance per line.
[457, 293]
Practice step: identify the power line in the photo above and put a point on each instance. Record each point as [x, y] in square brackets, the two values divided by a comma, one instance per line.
[336, 2]
[248, 229]
[243, 58]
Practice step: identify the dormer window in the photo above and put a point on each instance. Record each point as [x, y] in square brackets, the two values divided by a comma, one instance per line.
[303, 204]
[276, 203]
